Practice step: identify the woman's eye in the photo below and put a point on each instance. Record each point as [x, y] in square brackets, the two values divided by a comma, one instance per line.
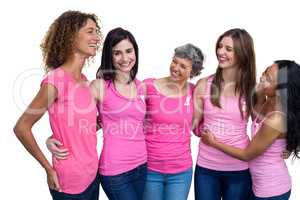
[183, 66]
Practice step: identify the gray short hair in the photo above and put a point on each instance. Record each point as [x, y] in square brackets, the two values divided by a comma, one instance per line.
[193, 53]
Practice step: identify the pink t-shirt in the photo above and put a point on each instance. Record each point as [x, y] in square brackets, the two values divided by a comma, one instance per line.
[168, 130]
[269, 173]
[228, 127]
[73, 122]
[122, 118]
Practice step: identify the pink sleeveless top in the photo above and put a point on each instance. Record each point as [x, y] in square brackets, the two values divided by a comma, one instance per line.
[73, 122]
[269, 173]
[122, 118]
[228, 127]
[168, 126]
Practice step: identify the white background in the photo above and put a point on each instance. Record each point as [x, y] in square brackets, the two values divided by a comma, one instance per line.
[159, 27]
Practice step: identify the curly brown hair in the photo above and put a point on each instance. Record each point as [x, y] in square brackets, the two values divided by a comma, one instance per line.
[57, 44]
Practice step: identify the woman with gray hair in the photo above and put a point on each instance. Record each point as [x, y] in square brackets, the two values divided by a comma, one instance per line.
[168, 126]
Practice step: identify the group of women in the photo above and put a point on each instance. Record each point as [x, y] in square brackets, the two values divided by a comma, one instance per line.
[147, 124]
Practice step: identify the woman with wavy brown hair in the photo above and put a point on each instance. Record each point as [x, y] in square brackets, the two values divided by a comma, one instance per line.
[223, 102]
[71, 40]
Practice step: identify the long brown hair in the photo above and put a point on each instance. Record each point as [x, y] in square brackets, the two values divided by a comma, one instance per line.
[245, 57]
[57, 44]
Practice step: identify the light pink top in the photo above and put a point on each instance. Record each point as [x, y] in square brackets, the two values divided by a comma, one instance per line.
[228, 127]
[269, 173]
[168, 127]
[73, 122]
[124, 146]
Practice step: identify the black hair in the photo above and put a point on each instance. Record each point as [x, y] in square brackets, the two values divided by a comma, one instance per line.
[289, 91]
[107, 70]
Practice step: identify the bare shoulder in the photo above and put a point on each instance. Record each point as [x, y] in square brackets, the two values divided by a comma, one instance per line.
[143, 86]
[97, 83]
[160, 81]
[276, 120]
[49, 89]
[97, 87]
[201, 85]
[202, 81]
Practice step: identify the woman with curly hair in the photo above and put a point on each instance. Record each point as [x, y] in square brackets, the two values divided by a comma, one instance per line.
[71, 40]
[123, 103]
[121, 108]
[275, 128]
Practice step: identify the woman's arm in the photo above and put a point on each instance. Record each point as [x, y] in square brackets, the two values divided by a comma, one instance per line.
[271, 129]
[55, 147]
[45, 97]
[198, 95]
[98, 89]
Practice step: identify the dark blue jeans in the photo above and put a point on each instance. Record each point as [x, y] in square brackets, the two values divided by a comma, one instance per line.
[91, 193]
[126, 186]
[284, 196]
[228, 185]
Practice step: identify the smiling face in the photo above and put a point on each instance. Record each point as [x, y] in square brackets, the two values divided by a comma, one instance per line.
[123, 56]
[180, 69]
[225, 53]
[268, 81]
[87, 40]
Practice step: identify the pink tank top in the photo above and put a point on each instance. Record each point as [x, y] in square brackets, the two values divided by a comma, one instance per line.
[73, 122]
[168, 127]
[124, 146]
[269, 173]
[228, 127]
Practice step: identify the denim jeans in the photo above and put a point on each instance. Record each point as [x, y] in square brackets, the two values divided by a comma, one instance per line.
[160, 186]
[126, 186]
[284, 196]
[91, 193]
[228, 185]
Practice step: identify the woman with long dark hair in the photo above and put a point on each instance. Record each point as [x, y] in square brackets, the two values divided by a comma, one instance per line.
[274, 129]
[223, 104]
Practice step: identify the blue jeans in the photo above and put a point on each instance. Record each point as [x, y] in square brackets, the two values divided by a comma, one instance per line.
[284, 196]
[161, 186]
[91, 193]
[228, 185]
[126, 186]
